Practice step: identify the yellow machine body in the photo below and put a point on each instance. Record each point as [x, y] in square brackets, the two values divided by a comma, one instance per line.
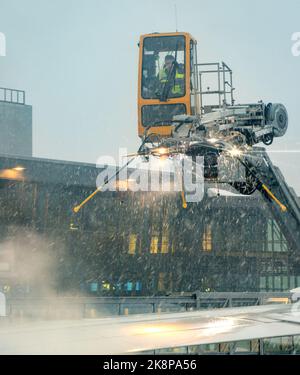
[154, 112]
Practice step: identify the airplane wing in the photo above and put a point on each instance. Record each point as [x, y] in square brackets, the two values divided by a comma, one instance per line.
[136, 333]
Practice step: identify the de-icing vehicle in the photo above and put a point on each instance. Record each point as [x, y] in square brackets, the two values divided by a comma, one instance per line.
[180, 114]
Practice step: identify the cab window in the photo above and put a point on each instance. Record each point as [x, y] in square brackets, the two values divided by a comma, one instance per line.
[163, 67]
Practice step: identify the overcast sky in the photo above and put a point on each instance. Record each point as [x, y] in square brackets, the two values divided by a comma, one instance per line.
[77, 61]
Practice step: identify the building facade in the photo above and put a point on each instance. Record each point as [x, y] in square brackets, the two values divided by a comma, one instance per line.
[125, 243]
[15, 123]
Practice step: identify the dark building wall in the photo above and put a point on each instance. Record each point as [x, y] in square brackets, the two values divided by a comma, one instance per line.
[15, 129]
[124, 243]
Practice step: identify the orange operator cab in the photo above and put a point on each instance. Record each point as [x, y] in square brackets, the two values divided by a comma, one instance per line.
[167, 82]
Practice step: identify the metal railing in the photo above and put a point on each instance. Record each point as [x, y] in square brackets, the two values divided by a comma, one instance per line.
[97, 307]
[224, 85]
[271, 345]
[12, 95]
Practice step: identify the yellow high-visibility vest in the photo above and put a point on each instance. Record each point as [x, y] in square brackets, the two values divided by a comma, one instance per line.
[179, 80]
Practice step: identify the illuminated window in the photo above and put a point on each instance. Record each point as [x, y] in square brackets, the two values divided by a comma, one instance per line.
[165, 244]
[154, 245]
[94, 287]
[132, 244]
[105, 285]
[207, 239]
[128, 286]
[138, 286]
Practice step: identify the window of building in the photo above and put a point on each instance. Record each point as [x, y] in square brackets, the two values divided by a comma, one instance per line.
[138, 286]
[94, 287]
[262, 283]
[275, 240]
[225, 347]
[105, 285]
[286, 344]
[207, 239]
[270, 236]
[132, 244]
[270, 283]
[177, 350]
[285, 285]
[277, 283]
[128, 286]
[154, 245]
[210, 348]
[255, 346]
[297, 344]
[292, 282]
[195, 349]
[272, 345]
[165, 244]
[242, 346]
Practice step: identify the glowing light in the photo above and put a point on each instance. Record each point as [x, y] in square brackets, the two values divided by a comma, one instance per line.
[152, 330]
[163, 161]
[161, 151]
[19, 168]
[73, 227]
[235, 152]
[124, 184]
[105, 285]
[212, 140]
[284, 300]
[11, 174]
[217, 326]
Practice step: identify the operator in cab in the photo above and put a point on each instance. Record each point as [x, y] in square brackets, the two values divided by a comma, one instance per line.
[171, 77]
